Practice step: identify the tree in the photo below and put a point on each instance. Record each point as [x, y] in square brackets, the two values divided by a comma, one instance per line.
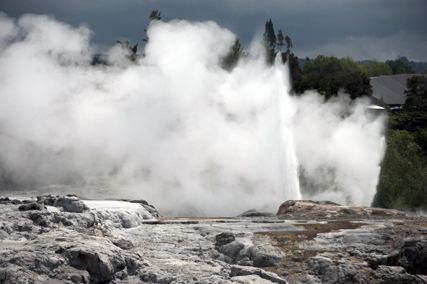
[357, 85]
[155, 15]
[295, 70]
[349, 65]
[280, 38]
[130, 50]
[399, 67]
[416, 89]
[403, 176]
[328, 74]
[288, 44]
[416, 109]
[232, 58]
[413, 118]
[329, 84]
[373, 68]
[323, 64]
[269, 35]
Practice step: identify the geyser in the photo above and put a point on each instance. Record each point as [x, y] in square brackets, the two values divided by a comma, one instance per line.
[174, 128]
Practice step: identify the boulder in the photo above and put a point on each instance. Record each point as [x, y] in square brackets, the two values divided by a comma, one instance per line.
[254, 213]
[224, 238]
[32, 206]
[71, 204]
[237, 270]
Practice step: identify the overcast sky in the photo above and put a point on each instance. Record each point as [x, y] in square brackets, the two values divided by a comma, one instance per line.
[362, 29]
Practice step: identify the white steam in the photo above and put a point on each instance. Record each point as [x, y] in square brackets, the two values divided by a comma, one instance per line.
[174, 128]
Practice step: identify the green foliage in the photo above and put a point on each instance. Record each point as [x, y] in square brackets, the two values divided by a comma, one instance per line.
[289, 44]
[349, 65]
[328, 74]
[233, 56]
[357, 85]
[373, 68]
[416, 90]
[424, 72]
[296, 72]
[155, 15]
[399, 67]
[330, 84]
[416, 109]
[269, 35]
[323, 64]
[403, 176]
[280, 38]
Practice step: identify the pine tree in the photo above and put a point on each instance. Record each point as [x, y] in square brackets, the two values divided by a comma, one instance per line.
[269, 35]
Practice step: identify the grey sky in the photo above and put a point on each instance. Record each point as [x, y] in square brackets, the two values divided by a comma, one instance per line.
[362, 29]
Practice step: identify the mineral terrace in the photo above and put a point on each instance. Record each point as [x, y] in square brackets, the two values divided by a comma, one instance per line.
[62, 239]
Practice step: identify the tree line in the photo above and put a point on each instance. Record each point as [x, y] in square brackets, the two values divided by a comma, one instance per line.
[403, 177]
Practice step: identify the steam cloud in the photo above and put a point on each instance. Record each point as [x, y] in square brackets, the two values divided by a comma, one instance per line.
[175, 128]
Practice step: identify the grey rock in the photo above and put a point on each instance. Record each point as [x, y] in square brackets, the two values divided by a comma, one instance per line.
[333, 271]
[244, 270]
[71, 204]
[40, 219]
[32, 206]
[224, 238]
[396, 275]
[231, 251]
[262, 258]
[254, 213]
[413, 255]
[126, 243]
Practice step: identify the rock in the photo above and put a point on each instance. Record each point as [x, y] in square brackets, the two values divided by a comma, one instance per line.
[122, 242]
[263, 258]
[31, 206]
[47, 199]
[40, 219]
[254, 213]
[100, 261]
[413, 255]
[342, 271]
[327, 209]
[244, 270]
[396, 274]
[71, 204]
[231, 250]
[224, 238]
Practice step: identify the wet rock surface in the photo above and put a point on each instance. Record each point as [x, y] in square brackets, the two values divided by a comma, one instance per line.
[63, 239]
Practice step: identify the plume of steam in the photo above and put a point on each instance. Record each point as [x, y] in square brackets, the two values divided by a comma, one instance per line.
[175, 128]
[339, 146]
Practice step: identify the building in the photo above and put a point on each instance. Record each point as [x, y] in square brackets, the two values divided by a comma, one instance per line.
[392, 88]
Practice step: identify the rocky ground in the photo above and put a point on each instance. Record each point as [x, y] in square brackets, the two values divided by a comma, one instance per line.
[62, 239]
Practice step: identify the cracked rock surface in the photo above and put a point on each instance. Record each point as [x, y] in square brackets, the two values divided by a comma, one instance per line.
[63, 239]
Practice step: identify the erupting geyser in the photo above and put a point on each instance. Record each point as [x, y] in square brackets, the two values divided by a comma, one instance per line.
[174, 128]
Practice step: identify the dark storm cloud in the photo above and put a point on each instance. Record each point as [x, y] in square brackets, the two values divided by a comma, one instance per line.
[363, 29]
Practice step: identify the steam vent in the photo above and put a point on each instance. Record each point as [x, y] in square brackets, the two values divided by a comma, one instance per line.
[64, 239]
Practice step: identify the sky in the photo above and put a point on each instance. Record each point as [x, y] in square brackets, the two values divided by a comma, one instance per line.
[362, 29]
